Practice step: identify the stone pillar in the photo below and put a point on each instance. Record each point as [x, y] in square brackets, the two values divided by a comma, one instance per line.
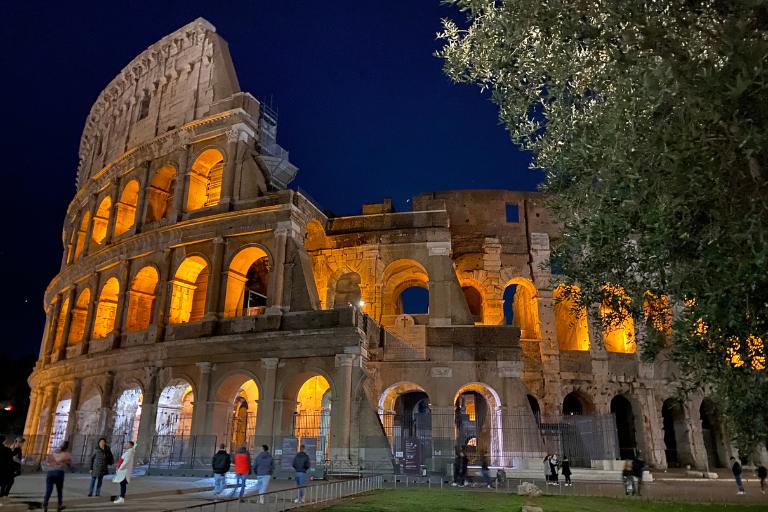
[162, 304]
[212, 309]
[114, 209]
[341, 412]
[33, 412]
[233, 151]
[67, 322]
[91, 316]
[265, 418]
[89, 230]
[148, 416]
[696, 436]
[275, 286]
[74, 405]
[51, 396]
[200, 413]
[447, 304]
[106, 412]
[180, 188]
[141, 204]
[50, 334]
[122, 302]
[649, 429]
[443, 442]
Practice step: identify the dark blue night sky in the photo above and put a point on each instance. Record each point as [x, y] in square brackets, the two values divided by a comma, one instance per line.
[363, 106]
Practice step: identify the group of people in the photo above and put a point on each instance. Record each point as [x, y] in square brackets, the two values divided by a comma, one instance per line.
[632, 474]
[263, 467]
[553, 466]
[56, 464]
[461, 465]
[760, 470]
[11, 457]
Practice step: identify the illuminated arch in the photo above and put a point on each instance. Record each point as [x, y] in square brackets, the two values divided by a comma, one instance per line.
[399, 276]
[125, 217]
[79, 316]
[521, 307]
[174, 409]
[344, 290]
[475, 300]
[141, 299]
[315, 238]
[572, 331]
[101, 220]
[618, 326]
[205, 180]
[127, 411]
[312, 418]
[60, 422]
[60, 321]
[577, 403]
[82, 234]
[189, 290]
[160, 193]
[247, 279]
[480, 420]
[88, 413]
[241, 391]
[106, 309]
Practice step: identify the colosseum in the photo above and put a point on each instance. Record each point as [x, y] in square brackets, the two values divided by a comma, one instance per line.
[201, 300]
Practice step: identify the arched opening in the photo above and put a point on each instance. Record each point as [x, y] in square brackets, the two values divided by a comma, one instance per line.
[576, 404]
[79, 316]
[312, 419]
[242, 427]
[346, 291]
[405, 414]
[315, 238]
[205, 180]
[101, 221]
[160, 193]
[247, 279]
[59, 426]
[174, 409]
[572, 331]
[141, 299]
[712, 432]
[128, 414]
[82, 234]
[676, 446]
[477, 421]
[58, 338]
[474, 301]
[414, 300]
[125, 216]
[88, 414]
[106, 309]
[535, 409]
[621, 409]
[618, 326]
[188, 291]
[521, 308]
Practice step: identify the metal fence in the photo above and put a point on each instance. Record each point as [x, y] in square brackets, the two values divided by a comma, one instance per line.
[182, 452]
[277, 501]
[82, 446]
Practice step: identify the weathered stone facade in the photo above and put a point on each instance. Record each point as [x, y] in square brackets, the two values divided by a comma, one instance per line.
[200, 298]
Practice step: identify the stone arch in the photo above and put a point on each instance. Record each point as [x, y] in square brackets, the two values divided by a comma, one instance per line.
[141, 299]
[125, 216]
[521, 307]
[127, 411]
[106, 308]
[79, 317]
[625, 417]
[247, 282]
[572, 330]
[398, 276]
[344, 289]
[175, 408]
[315, 237]
[101, 220]
[478, 422]
[577, 403]
[80, 235]
[406, 417]
[313, 394]
[58, 338]
[677, 448]
[189, 289]
[618, 326]
[88, 412]
[475, 301]
[712, 431]
[240, 391]
[60, 421]
[205, 176]
[160, 193]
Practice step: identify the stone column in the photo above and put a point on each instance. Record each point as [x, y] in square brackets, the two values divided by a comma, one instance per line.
[200, 413]
[51, 397]
[106, 412]
[180, 188]
[122, 302]
[341, 412]
[233, 151]
[698, 448]
[162, 306]
[141, 204]
[443, 442]
[275, 286]
[89, 230]
[212, 309]
[74, 405]
[114, 209]
[91, 316]
[51, 333]
[265, 418]
[32, 411]
[148, 416]
[649, 429]
[67, 323]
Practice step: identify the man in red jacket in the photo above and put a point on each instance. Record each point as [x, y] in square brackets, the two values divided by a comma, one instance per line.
[242, 468]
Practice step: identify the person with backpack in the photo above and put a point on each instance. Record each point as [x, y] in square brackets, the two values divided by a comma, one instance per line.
[124, 470]
[263, 467]
[221, 463]
[242, 469]
[101, 459]
[301, 465]
[736, 470]
[56, 464]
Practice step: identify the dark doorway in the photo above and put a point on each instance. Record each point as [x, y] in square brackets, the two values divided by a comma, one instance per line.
[412, 431]
[535, 409]
[711, 432]
[621, 408]
[473, 427]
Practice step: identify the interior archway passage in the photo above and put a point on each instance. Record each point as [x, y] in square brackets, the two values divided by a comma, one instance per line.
[346, 291]
[101, 221]
[79, 317]
[127, 414]
[141, 299]
[475, 302]
[247, 280]
[106, 309]
[312, 419]
[618, 326]
[205, 180]
[189, 290]
[160, 193]
[125, 217]
[521, 308]
[82, 234]
[174, 409]
[570, 323]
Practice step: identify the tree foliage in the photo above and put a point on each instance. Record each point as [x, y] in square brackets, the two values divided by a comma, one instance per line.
[650, 119]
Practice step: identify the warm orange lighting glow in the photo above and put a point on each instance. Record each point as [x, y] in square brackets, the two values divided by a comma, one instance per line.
[205, 180]
[247, 279]
[619, 334]
[79, 316]
[126, 207]
[189, 290]
[756, 352]
[572, 331]
[101, 220]
[106, 309]
[141, 299]
[309, 405]
[82, 233]
[658, 310]
[59, 336]
[160, 193]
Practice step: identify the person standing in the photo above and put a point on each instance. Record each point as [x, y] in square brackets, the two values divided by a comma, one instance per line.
[101, 459]
[485, 471]
[16, 458]
[221, 463]
[242, 469]
[56, 463]
[464, 466]
[301, 465]
[457, 468]
[736, 469]
[124, 470]
[566, 470]
[547, 470]
[6, 468]
[263, 467]
[762, 473]
[638, 466]
[553, 462]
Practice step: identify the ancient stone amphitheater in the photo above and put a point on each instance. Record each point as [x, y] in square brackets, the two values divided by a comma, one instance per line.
[200, 301]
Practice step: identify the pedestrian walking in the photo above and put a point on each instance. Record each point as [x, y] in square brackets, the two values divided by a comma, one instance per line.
[6, 468]
[464, 467]
[762, 473]
[16, 459]
[553, 463]
[626, 476]
[101, 459]
[736, 469]
[638, 466]
[124, 470]
[566, 470]
[56, 463]
[263, 467]
[547, 470]
[242, 469]
[485, 471]
[457, 468]
[301, 465]
[221, 463]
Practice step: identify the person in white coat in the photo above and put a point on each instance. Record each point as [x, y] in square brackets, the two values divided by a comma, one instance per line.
[123, 471]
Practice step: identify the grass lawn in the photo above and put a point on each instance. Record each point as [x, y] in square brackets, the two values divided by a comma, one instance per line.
[424, 500]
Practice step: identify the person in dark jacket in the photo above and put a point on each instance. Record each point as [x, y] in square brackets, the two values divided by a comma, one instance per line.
[301, 466]
[457, 468]
[736, 469]
[16, 457]
[6, 468]
[221, 463]
[464, 466]
[762, 474]
[638, 466]
[566, 470]
[101, 459]
[263, 467]
[485, 471]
